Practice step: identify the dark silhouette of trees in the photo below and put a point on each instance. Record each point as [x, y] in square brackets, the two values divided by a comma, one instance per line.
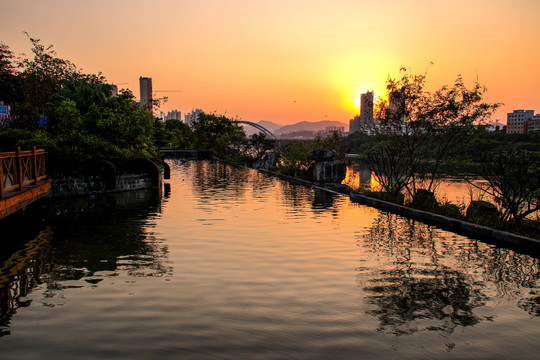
[514, 182]
[417, 131]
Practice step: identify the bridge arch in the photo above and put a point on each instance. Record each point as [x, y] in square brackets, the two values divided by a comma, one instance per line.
[258, 127]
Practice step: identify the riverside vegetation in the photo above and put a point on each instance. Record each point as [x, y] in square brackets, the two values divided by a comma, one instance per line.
[420, 138]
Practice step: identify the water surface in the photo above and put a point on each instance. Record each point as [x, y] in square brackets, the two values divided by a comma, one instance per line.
[232, 264]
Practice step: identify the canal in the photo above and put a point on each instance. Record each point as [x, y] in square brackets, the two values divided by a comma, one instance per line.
[232, 264]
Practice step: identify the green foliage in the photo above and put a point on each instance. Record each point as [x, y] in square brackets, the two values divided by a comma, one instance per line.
[218, 132]
[172, 134]
[66, 118]
[10, 140]
[332, 142]
[480, 142]
[7, 75]
[294, 157]
[85, 123]
[357, 143]
[39, 78]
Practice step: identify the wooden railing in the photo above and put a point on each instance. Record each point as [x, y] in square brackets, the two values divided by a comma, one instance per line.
[21, 168]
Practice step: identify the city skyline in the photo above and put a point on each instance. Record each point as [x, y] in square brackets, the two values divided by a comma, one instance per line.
[288, 62]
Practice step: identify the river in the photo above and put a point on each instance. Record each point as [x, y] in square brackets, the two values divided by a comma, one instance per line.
[232, 264]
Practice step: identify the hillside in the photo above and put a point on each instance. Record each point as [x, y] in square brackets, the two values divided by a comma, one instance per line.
[309, 126]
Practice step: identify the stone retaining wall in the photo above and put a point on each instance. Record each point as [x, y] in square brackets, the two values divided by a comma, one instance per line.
[460, 226]
[97, 185]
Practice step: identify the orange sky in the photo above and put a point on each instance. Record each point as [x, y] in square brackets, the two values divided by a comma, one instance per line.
[289, 60]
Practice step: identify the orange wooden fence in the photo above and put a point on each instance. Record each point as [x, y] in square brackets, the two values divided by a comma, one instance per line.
[20, 169]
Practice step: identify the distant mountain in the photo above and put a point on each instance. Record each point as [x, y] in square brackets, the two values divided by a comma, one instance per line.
[272, 126]
[309, 126]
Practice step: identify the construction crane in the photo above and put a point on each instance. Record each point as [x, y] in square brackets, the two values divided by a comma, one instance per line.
[124, 83]
[160, 91]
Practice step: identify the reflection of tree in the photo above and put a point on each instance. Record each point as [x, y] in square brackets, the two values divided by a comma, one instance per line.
[91, 238]
[431, 280]
[416, 291]
[215, 180]
[411, 301]
[295, 198]
[323, 199]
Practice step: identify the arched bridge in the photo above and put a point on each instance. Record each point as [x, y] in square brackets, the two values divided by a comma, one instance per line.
[258, 127]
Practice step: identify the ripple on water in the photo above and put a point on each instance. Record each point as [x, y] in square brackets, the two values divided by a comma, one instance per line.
[235, 264]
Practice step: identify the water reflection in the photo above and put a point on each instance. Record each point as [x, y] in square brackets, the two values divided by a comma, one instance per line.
[359, 178]
[424, 279]
[456, 191]
[19, 274]
[87, 239]
[323, 200]
[283, 272]
[217, 180]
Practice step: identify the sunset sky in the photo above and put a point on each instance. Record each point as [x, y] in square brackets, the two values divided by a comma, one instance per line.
[289, 60]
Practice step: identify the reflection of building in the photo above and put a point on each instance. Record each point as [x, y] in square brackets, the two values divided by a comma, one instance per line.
[192, 116]
[518, 120]
[173, 115]
[365, 121]
[145, 86]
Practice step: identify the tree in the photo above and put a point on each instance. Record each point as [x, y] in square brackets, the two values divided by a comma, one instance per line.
[172, 134]
[40, 77]
[218, 132]
[514, 182]
[259, 144]
[7, 74]
[418, 130]
[294, 157]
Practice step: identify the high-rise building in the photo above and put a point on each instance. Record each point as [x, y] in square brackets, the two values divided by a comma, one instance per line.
[145, 86]
[192, 116]
[364, 121]
[173, 115]
[517, 121]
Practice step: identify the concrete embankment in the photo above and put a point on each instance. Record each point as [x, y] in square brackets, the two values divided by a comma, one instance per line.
[139, 174]
[97, 185]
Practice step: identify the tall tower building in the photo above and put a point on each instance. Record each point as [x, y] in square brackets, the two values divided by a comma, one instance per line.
[363, 122]
[145, 86]
[366, 106]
